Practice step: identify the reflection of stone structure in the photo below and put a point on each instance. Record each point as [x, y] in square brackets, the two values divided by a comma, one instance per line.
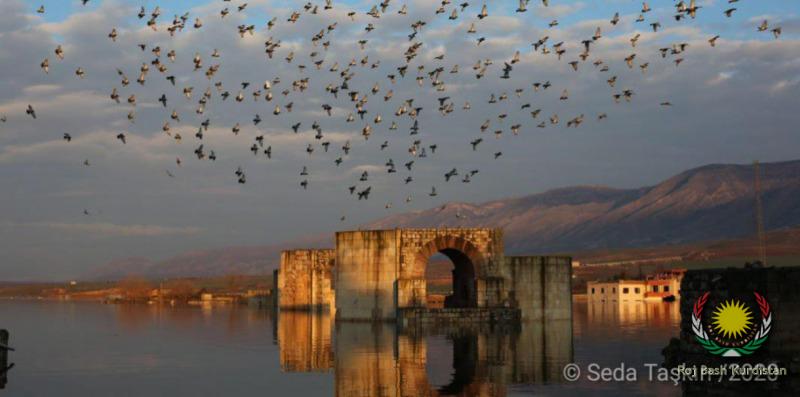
[375, 359]
[305, 341]
[378, 272]
[365, 361]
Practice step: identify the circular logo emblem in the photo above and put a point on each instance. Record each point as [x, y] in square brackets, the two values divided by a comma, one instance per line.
[732, 328]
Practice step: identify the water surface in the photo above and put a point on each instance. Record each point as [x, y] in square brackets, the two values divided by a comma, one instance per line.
[83, 349]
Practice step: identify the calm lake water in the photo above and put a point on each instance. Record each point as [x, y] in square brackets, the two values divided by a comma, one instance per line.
[92, 349]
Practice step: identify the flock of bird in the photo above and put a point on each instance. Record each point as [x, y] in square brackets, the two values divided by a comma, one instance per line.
[428, 79]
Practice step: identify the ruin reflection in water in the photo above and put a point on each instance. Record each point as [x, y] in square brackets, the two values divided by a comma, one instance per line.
[379, 360]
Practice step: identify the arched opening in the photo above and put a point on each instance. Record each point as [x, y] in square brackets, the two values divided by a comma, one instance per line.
[451, 280]
[464, 291]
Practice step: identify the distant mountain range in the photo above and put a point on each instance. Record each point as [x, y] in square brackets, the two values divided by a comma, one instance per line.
[712, 202]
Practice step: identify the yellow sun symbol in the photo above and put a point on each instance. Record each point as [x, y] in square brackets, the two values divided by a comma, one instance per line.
[732, 319]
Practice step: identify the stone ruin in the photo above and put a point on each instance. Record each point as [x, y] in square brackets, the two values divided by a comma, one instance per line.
[379, 275]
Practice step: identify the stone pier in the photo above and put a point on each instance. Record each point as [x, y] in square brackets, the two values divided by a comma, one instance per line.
[305, 279]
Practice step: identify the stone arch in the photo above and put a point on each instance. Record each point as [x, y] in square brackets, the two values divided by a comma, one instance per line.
[468, 262]
[452, 245]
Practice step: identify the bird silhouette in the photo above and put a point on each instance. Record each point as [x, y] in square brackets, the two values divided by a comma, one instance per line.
[367, 91]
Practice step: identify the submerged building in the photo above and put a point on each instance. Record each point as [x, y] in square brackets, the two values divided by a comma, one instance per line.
[658, 286]
[379, 275]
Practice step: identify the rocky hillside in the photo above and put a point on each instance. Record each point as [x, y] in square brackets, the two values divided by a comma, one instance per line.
[713, 202]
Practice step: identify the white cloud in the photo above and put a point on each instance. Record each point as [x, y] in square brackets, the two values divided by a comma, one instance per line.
[559, 10]
[721, 77]
[784, 85]
[711, 99]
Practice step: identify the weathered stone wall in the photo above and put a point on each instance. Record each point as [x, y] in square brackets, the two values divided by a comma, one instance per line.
[482, 247]
[373, 274]
[525, 289]
[322, 279]
[276, 296]
[557, 288]
[381, 271]
[306, 279]
[366, 274]
[540, 286]
[492, 292]
[412, 293]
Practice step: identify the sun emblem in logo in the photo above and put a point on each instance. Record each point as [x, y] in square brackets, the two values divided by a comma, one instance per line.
[732, 319]
[733, 330]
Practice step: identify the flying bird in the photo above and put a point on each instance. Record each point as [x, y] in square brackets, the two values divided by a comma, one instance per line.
[426, 77]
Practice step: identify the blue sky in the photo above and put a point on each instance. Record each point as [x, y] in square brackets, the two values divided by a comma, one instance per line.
[732, 103]
[58, 10]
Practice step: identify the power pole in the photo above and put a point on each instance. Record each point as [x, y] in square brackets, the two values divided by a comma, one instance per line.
[762, 249]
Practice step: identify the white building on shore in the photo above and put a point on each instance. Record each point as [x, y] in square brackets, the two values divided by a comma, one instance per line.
[660, 286]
